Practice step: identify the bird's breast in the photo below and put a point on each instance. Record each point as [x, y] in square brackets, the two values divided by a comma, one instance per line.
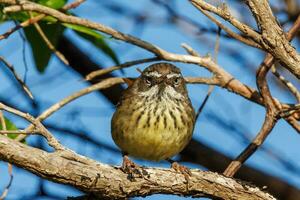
[152, 130]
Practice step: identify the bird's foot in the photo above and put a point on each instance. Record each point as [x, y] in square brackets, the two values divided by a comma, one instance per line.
[181, 169]
[133, 170]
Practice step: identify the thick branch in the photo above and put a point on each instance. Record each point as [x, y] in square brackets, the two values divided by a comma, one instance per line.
[110, 182]
[273, 37]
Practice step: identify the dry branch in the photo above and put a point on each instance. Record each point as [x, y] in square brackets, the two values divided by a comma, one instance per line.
[223, 12]
[17, 77]
[271, 118]
[110, 182]
[272, 109]
[226, 80]
[203, 6]
[37, 18]
[273, 37]
[37, 126]
[67, 167]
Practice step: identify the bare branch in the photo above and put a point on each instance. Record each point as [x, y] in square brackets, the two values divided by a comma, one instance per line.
[73, 5]
[287, 83]
[5, 192]
[226, 29]
[17, 77]
[49, 43]
[37, 18]
[272, 110]
[101, 72]
[223, 11]
[36, 124]
[190, 50]
[269, 123]
[4, 132]
[110, 182]
[273, 37]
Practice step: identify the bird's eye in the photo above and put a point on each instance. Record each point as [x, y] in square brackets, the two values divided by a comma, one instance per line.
[148, 81]
[176, 81]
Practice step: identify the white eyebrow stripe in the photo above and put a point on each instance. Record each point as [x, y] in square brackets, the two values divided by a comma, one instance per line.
[173, 75]
[156, 74]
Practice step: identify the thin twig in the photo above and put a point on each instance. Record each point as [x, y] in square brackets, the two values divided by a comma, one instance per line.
[17, 77]
[228, 30]
[36, 125]
[290, 111]
[4, 132]
[11, 178]
[5, 191]
[287, 83]
[43, 35]
[2, 121]
[211, 87]
[106, 83]
[223, 12]
[190, 50]
[101, 72]
[72, 5]
[22, 25]
[49, 43]
[37, 18]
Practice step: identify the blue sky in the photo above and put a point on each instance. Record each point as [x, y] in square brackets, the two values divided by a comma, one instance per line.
[93, 113]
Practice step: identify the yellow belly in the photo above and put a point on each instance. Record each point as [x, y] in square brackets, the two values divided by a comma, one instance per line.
[156, 139]
[153, 145]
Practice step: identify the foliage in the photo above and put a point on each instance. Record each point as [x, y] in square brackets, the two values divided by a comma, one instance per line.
[10, 126]
[54, 31]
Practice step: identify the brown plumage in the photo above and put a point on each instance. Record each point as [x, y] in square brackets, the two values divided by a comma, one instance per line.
[155, 118]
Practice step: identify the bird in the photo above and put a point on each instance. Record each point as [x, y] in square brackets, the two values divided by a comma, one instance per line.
[154, 119]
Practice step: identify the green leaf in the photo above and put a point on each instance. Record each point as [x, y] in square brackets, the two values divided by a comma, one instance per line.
[10, 126]
[95, 38]
[2, 15]
[40, 50]
[23, 15]
[18, 16]
[56, 4]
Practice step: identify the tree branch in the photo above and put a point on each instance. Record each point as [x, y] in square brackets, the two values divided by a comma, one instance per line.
[224, 13]
[269, 123]
[273, 37]
[17, 77]
[110, 182]
[272, 109]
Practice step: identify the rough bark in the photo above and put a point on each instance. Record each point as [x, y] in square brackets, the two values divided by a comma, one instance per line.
[197, 152]
[110, 182]
[273, 37]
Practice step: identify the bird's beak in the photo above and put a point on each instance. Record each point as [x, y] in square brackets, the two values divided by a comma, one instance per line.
[161, 88]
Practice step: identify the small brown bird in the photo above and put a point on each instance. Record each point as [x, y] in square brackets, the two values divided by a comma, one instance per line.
[155, 118]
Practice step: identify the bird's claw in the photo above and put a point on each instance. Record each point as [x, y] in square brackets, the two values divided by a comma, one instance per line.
[182, 169]
[133, 170]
